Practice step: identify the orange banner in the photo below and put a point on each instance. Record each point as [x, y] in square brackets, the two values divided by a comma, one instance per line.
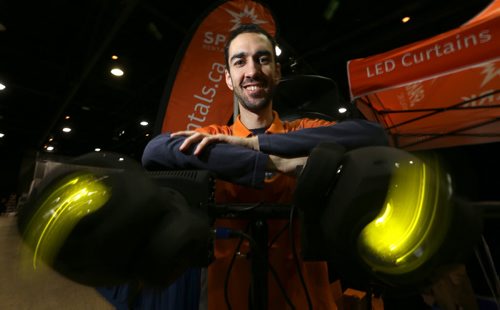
[439, 92]
[426, 114]
[475, 42]
[199, 95]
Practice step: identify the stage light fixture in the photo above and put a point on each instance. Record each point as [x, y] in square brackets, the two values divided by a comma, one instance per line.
[69, 200]
[102, 220]
[412, 223]
[383, 215]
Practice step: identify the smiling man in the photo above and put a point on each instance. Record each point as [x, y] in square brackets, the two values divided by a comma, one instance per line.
[255, 160]
[253, 72]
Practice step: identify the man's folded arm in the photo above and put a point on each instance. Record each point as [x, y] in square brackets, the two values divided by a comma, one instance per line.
[229, 162]
[350, 134]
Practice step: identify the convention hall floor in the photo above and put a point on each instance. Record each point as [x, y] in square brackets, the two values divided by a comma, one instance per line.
[44, 289]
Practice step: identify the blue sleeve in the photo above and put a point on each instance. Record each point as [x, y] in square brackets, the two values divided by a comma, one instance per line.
[351, 134]
[229, 162]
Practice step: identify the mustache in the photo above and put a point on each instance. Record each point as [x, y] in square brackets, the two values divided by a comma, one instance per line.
[250, 80]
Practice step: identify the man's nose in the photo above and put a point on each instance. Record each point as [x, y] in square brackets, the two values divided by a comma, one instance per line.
[253, 68]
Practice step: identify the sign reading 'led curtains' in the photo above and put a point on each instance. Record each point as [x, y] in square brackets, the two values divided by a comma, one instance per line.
[439, 92]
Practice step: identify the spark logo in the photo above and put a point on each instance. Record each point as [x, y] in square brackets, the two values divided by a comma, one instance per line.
[247, 16]
[490, 72]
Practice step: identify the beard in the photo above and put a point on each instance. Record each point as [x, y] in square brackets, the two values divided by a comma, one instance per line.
[256, 103]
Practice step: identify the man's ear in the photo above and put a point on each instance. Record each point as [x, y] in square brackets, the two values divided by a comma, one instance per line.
[229, 82]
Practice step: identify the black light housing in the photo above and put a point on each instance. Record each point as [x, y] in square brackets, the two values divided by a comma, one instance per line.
[383, 216]
[101, 220]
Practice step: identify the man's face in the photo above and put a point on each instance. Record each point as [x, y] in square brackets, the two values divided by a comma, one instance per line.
[252, 73]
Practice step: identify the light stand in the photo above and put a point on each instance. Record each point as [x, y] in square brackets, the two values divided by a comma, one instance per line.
[257, 214]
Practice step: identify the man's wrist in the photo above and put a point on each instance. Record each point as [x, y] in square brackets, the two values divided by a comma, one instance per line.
[288, 166]
[272, 163]
[254, 143]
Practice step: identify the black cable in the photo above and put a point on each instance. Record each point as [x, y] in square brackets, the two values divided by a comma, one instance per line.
[251, 207]
[233, 258]
[228, 273]
[229, 269]
[492, 283]
[270, 244]
[296, 259]
[277, 235]
[254, 245]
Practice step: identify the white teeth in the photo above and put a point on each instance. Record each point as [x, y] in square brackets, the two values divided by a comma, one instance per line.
[252, 88]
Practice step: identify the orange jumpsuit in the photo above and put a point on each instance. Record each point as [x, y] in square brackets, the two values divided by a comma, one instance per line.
[277, 189]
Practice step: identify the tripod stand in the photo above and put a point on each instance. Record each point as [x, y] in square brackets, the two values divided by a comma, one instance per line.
[257, 214]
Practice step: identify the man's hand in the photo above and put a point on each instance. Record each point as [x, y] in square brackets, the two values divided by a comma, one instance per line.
[203, 139]
[285, 165]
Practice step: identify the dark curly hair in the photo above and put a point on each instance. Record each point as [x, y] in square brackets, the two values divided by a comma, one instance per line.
[247, 28]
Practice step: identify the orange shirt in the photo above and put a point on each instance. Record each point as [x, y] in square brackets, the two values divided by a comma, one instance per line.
[277, 189]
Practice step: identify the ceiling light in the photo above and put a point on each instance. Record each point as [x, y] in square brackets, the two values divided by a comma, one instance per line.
[2, 86]
[97, 149]
[117, 72]
[278, 50]
[2, 135]
[144, 123]
[342, 110]
[49, 148]
[67, 117]
[114, 57]
[66, 129]
[405, 19]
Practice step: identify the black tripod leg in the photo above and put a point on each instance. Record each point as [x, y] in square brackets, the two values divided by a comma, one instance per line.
[259, 285]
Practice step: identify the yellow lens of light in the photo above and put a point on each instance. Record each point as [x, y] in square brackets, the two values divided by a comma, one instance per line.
[412, 224]
[67, 202]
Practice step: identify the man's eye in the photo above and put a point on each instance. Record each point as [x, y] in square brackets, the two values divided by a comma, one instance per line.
[264, 60]
[238, 63]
